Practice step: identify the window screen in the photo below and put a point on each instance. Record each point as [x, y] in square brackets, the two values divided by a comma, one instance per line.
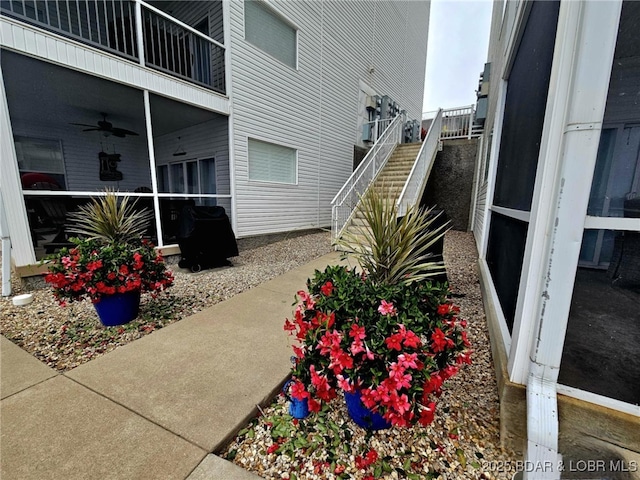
[525, 109]
[271, 163]
[270, 33]
[505, 252]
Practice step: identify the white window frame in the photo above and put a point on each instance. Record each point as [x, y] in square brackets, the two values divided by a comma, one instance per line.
[286, 20]
[198, 160]
[273, 182]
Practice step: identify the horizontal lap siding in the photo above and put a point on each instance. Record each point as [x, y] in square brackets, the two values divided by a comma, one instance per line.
[479, 218]
[315, 109]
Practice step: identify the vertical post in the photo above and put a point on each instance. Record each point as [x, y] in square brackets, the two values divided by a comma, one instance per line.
[11, 189]
[152, 164]
[140, 43]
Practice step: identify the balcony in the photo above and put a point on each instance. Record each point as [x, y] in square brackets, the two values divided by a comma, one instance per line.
[128, 27]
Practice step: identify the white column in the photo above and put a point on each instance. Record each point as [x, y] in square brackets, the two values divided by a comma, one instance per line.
[152, 165]
[11, 190]
[226, 25]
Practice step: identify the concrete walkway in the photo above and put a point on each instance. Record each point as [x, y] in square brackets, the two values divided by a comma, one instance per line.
[157, 407]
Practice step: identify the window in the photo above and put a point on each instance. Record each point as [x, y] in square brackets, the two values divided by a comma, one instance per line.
[43, 157]
[272, 163]
[190, 176]
[270, 33]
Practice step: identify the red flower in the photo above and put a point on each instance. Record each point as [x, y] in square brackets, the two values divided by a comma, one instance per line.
[439, 340]
[370, 457]
[357, 332]
[386, 308]
[124, 270]
[394, 342]
[273, 448]
[314, 405]
[427, 413]
[411, 340]
[327, 289]
[298, 391]
[299, 352]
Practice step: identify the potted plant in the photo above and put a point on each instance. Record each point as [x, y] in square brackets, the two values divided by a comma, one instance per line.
[111, 263]
[385, 336]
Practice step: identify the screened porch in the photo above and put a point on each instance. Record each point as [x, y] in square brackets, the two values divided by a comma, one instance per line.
[76, 135]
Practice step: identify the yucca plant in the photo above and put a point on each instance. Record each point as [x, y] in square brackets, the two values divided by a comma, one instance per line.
[391, 250]
[109, 220]
[110, 256]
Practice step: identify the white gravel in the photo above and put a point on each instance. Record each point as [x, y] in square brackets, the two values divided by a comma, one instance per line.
[64, 338]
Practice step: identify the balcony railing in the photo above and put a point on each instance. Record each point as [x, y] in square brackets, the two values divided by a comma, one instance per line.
[168, 44]
[456, 123]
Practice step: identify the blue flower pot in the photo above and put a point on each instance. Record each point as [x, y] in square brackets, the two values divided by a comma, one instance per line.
[297, 408]
[362, 415]
[119, 308]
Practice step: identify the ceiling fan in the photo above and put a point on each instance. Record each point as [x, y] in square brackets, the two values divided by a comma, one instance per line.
[106, 128]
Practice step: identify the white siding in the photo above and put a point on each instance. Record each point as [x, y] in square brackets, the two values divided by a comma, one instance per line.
[206, 140]
[502, 29]
[314, 109]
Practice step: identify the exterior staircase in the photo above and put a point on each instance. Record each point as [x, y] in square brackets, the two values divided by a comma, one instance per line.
[390, 182]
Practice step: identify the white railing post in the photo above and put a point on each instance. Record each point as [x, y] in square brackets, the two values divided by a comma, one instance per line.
[139, 32]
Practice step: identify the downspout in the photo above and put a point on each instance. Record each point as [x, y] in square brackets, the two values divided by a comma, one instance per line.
[6, 252]
[585, 41]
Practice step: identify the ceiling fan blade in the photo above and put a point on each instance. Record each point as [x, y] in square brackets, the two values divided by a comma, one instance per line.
[82, 124]
[92, 129]
[122, 132]
[117, 133]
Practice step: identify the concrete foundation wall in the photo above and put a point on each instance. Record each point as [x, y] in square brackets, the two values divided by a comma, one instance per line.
[450, 185]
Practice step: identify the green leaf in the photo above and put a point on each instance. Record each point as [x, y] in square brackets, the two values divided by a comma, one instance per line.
[251, 433]
[461, 458]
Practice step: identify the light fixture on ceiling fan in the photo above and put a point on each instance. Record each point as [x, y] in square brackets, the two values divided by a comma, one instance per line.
[180, 151]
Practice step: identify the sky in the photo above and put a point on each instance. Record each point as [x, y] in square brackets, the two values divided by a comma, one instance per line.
[456, 52]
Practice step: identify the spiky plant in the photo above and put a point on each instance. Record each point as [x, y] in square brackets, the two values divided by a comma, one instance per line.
[110, 220]
[392, 250]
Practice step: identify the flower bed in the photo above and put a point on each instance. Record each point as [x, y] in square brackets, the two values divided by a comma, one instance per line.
[462, 442]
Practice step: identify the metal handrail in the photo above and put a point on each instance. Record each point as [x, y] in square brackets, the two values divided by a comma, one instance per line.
[348, 197]
[417, 179]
